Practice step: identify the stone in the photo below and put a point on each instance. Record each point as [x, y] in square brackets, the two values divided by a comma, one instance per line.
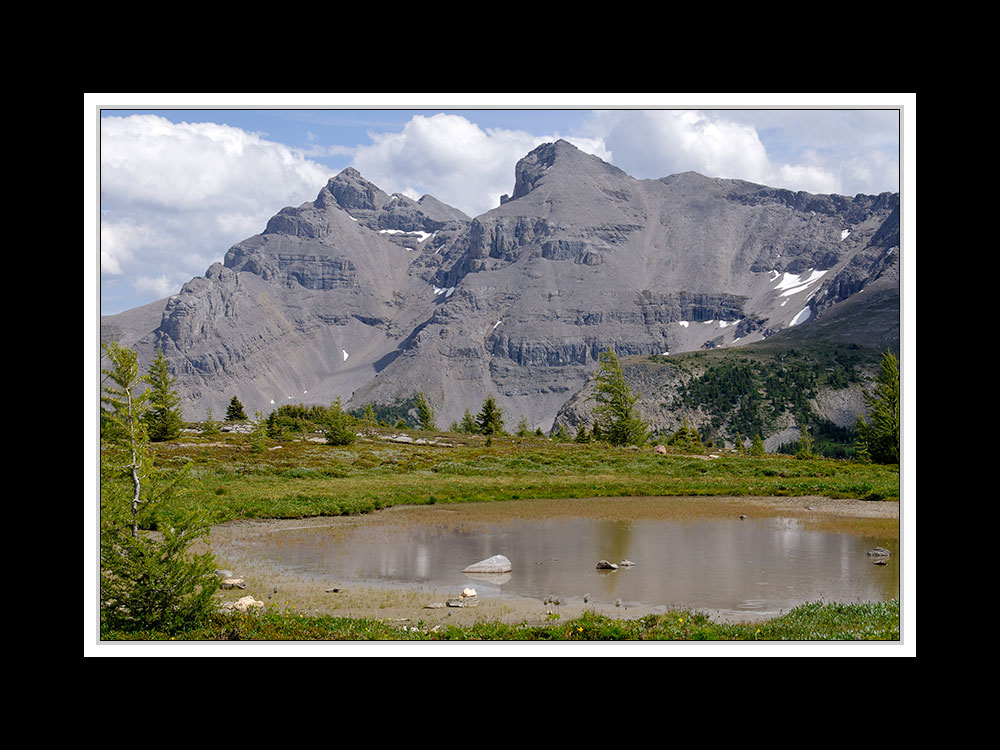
[879, 552]
[626, 564]
[495, 564]
[605, 565]
[661, 449]
[233, 583]
[244, 604]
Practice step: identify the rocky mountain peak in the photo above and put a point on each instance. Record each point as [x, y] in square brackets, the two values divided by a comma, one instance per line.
[560, 158]
[352, 191]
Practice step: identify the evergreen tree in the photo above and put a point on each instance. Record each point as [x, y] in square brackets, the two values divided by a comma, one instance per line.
[209, 426]
[163, 418]
[686, 438]
[757, 446]
[489, 421]
[615, 413]
[805, 445]
[468, 423]
[581, 434]
[878, 436]
[425, 415]
[148, 582]
[522, 427]
[339, 429]
[235, 413]
[274, 429]
[369, 421]
[258, 438]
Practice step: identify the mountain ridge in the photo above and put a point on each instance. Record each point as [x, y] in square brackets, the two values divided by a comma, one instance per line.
[366, 296]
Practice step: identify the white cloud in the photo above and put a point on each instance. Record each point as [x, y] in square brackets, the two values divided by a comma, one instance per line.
[161, 286]
[848, 152]
[453, 159]
[175, 197]
[658, 143]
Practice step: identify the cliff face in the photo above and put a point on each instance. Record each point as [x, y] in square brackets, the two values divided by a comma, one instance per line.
[369, 297]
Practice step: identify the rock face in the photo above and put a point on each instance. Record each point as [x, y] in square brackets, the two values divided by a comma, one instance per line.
[367, 296]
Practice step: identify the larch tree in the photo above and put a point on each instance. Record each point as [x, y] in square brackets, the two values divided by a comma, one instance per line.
[615, 415]
[148, 581]
[425, 414]
[878, 436]
[163, 419]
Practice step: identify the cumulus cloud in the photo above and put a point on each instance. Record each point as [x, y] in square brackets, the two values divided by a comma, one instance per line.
[771, 148]
[453, 159]
[175, 197]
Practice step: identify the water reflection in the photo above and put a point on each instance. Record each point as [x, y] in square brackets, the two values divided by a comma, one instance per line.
[760, 566]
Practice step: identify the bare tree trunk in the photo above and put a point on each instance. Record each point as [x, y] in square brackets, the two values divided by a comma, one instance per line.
[134, 467]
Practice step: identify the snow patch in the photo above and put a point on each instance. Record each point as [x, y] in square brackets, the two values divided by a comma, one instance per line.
[451, 291]
[346, 355]
[496, 324]
[683, 323]
[845, 234]
[791, 283]
[802, 317]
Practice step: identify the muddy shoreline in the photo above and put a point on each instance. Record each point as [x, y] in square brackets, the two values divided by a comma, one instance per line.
[425, 608]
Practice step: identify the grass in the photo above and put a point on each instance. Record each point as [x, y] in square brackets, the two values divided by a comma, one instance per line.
[297, 478]
[809, 622]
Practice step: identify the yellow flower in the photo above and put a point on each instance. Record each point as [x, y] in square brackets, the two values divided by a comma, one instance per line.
[580, 629]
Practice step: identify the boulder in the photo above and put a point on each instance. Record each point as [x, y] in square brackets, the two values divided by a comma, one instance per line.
[233, 583]
[661, 449]
[244, 604]
[495, 564]
[879, 552]
[605, 565]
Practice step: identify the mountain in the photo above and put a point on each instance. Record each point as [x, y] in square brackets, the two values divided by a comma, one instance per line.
[372, 297]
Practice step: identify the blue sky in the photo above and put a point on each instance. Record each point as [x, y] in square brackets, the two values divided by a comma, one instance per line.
[182, 182]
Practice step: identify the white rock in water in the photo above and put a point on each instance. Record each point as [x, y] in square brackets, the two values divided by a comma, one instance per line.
[495, 564]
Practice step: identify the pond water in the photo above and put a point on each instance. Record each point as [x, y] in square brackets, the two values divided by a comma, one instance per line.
[729, 567]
